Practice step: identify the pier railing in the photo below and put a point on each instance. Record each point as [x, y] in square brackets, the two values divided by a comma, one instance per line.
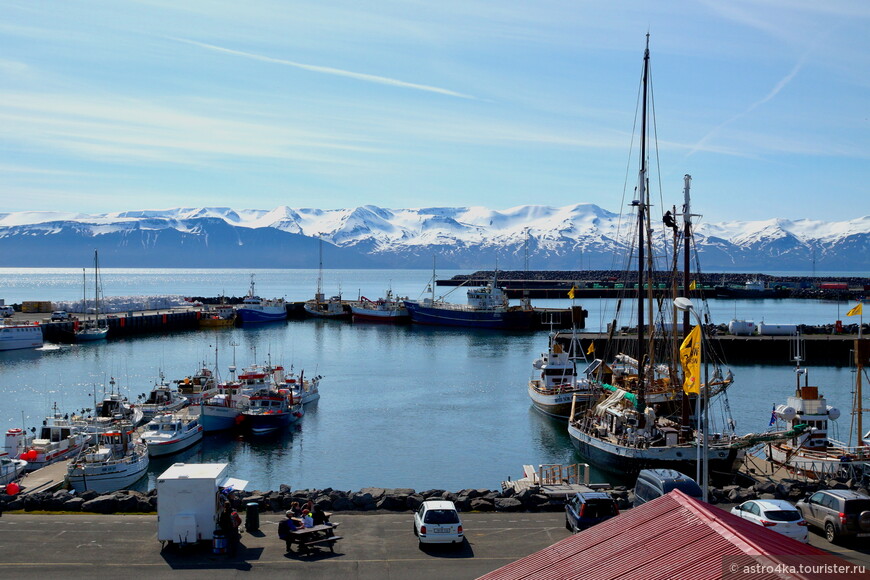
[556, 474]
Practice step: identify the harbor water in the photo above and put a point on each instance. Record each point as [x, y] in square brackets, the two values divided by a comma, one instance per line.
[407, 406]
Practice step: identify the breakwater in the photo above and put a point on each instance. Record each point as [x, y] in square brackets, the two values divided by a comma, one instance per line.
[404, 500]
[128, 324]
[615, 283]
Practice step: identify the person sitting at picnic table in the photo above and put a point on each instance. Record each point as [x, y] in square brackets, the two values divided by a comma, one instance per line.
[297, 511]
[307, 520]
[286, 526]
[319, 517]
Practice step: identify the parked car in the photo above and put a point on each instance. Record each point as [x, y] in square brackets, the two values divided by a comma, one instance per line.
[59, 315]
[438, 522]
[653, 483]
[839, 512]
[589, 508]
[775, 514]
[6, 311]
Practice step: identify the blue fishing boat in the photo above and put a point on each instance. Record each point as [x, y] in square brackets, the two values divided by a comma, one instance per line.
[270, 411]
[256, 309]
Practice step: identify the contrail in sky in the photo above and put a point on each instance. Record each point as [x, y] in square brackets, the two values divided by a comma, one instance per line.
[329, 70]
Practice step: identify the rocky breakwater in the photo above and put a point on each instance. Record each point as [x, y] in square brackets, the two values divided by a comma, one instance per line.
[377, 499]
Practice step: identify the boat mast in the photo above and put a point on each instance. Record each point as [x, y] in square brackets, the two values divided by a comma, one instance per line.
[687, 236]
[96, 290]
[318, 297]
[641, 203]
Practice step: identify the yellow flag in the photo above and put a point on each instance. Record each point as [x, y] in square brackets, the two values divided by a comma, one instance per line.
[693, 286]
[690, 356]
[571, 292]
[591, 349]
[858, 310]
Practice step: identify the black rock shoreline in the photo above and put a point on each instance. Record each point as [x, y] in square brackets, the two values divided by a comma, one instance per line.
[373, 499]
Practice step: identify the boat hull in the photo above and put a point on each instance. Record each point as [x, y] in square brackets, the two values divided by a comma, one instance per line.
[496, 319]
[559, 404]
[628, 461]
[816, 465]
[216, 322]
[107, 478]
[400, 316]
[12, 469]
[168, 447]
[266, 314]
[214, 418]
[18, 337]
[91, 335]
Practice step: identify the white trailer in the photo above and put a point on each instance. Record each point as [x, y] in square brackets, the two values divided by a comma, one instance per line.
[189, 501]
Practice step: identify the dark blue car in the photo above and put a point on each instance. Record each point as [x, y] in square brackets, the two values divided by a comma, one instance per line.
[588, 508]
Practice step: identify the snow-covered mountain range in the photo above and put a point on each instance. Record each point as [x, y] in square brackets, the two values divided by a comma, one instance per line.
[572, 237]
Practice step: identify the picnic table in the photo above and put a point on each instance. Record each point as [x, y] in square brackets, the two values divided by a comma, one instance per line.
[321, 536]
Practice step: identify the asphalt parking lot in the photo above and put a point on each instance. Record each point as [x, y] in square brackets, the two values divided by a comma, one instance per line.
[376, 546]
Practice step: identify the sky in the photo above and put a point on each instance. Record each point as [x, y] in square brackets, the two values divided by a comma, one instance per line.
[110, 105]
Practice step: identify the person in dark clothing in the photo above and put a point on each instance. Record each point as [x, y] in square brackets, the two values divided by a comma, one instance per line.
[286, 526]
[319, 517]
[228, 526]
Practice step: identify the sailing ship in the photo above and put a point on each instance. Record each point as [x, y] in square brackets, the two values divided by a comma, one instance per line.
[552, 390]
[256, 309]
[95, 329]
[626, 431]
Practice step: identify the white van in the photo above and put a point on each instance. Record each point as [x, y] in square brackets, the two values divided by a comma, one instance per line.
[6, 311]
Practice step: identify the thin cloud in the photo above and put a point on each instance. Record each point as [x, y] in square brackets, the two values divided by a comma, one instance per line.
[329, 70]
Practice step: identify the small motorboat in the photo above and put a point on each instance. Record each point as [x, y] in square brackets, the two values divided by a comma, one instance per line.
[170, 433]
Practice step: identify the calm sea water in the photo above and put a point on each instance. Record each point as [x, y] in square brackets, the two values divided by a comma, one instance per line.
[401, 406]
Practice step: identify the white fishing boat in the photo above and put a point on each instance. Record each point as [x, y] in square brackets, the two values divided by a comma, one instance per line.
[814, 453]
[19, 336]
[302, 390]
[116, 407]
[161, 399]
[193, 387]
[11, 468]
[58, 438]
[115, 462]
[170, 433]
[389, 310]
[332, 308]
[556, 382]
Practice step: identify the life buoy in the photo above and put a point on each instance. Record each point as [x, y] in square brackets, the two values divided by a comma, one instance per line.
[13, 431]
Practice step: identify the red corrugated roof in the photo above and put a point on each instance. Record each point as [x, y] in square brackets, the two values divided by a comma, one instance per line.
[674, 536]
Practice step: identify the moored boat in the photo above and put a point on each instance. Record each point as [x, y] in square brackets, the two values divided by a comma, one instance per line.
[59, 438]
[302, 390]
[193, 387]
[256, 309]
[11, 468]
[552, 391]
[270, 411]
[161, 399]
[170, 433]
[115, 462]
[390, 309]
[219, 316]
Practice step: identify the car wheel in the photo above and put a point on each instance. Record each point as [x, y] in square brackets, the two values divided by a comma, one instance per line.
[568, 524]
[864, 521]
[830, 533]
[416, 533]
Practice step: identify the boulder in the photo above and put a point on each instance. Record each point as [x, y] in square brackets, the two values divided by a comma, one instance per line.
[765, 487]
[394, 503]
[342, 504]
[508, 504]
[376, 493]
[73, 504]
[104, 504]
[363, 501]
[414, 501]
[480, 504]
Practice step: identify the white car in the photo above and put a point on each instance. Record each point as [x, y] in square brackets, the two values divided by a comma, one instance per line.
[775, 514]
[437, 522]
[59, 315]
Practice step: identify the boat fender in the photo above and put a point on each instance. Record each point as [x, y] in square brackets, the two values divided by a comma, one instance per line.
[833, 413]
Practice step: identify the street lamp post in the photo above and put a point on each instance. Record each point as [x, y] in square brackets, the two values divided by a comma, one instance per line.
[703, 468]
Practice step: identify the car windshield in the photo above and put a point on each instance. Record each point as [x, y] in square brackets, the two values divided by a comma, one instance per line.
[441, 517]
[782, 515]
